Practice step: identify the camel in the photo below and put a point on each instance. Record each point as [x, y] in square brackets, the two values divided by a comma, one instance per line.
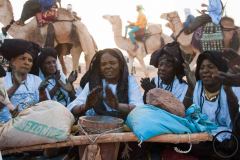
[63, 28]
[184, 40]
[175, 24]
[155, 40]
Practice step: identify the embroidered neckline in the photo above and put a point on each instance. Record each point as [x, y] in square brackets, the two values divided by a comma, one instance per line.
[211, 96]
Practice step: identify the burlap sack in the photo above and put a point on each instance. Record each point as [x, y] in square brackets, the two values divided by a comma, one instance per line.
[45, 122]
[165, 100]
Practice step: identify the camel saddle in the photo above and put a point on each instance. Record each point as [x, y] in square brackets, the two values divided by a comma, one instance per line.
[46, 17]
[140, 34]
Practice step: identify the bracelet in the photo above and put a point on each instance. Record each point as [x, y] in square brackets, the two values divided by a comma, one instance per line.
[188, 97]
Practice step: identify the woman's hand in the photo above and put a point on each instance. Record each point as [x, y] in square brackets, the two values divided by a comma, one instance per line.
[94, 97]
[43, 84]
[146, 84]
[228, 78]
[72, 77]
[14, 112]
[57, 75]
[111, 99]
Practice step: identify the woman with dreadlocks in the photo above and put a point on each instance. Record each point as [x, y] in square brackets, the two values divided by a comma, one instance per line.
[219, 102]
[169, 62]
[110, 89]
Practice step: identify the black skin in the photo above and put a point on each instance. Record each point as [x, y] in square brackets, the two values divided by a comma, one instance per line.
[231, 78]
[110, 71]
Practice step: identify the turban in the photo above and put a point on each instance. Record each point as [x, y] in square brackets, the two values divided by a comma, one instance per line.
[12, 48]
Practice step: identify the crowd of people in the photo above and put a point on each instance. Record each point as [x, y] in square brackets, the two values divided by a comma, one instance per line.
[108, 88]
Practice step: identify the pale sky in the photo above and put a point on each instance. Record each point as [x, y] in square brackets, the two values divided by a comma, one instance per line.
[91, 12]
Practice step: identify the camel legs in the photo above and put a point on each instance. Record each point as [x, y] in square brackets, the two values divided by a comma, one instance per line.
[88, 58]
[131, 59]
[62, 50]
[142, 64]
[75, 52]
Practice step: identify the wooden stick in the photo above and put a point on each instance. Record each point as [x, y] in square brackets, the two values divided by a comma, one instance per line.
[113, 137]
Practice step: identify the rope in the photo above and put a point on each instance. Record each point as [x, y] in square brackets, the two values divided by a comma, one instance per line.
[5, 29]
[65, 20]
[93, 141]
[189, 149]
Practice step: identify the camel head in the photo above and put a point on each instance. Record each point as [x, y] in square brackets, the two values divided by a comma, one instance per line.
[113, 19]
[6, 12]
[172, 18]
[169, 16]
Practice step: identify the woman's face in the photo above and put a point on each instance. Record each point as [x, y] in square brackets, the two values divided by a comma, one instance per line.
[22, 64]
[206, 72]
[110, 68]
[166, 70]
[49, 66]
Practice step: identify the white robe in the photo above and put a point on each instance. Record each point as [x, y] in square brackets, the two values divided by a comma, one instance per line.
[134, 93]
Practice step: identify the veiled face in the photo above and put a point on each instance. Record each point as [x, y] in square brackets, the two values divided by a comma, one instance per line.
[110, 68]
[49, 66]
[22, 64]
[206, 72]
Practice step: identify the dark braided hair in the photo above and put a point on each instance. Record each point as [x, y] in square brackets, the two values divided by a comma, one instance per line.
[94, 78]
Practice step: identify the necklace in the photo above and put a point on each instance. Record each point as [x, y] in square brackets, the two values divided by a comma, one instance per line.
[211, 96]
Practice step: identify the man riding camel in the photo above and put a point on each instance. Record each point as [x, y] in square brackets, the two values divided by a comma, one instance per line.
[31, 7]
[214, 9]
[141, 23]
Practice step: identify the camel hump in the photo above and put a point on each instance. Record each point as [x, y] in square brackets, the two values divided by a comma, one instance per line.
[64, 14]
[154, 28]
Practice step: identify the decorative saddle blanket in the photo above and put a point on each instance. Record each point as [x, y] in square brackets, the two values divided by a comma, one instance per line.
[47, 16]
[212, 38]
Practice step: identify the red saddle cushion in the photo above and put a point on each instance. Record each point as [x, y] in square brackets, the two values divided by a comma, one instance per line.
[139, 34]
[47, 16]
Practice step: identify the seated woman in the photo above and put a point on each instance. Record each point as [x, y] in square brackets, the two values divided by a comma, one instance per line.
[169, 62]
[110, 84]
[219, 102]
[110, 90]
[59, 88]
[22, 87]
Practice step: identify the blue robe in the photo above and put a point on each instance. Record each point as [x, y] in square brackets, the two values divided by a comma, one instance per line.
[209, 108]
[26, 95]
